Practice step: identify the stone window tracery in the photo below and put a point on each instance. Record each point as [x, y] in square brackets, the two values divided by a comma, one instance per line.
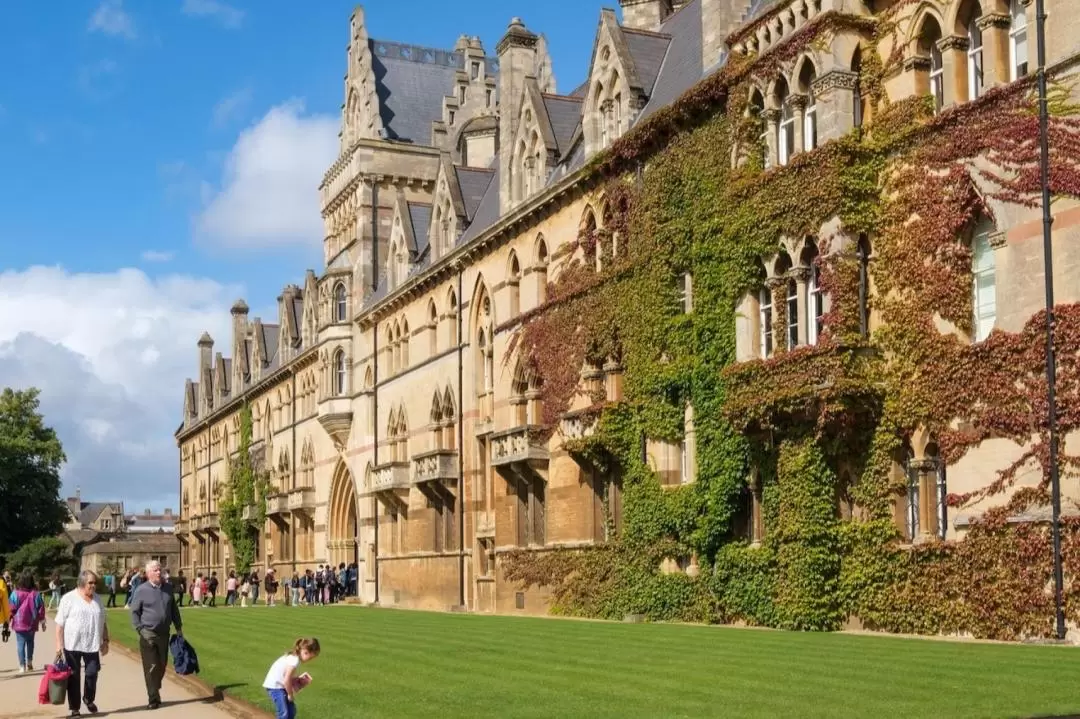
[341, 303]
[341, 373]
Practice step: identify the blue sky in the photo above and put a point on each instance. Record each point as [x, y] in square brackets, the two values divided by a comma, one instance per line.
[160, 158]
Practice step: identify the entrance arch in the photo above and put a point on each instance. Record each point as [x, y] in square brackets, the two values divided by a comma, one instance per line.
[343, 530]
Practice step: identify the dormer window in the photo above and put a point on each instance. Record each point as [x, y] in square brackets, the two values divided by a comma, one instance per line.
[475, 71]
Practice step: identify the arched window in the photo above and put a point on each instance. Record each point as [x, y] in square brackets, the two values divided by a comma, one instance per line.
[452, 319]
[792, 314]
[757, 114]
[601, 116]
[862, 254]
[806, 85]
[785, 137]
[341, 303]
[815, 300]
[513, 284]
[433, 329]
[388, 339]
[857, 99]
[984, 295]
[405, 338]
[541, 271]
[1018, 50]
[929, 37]
[765, 322]
[975, 54]
[341, 373]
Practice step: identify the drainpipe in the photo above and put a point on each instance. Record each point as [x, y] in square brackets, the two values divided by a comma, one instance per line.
[375, 451]
[460, 508]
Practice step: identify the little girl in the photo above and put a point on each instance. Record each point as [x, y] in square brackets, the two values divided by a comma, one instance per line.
[282, 682]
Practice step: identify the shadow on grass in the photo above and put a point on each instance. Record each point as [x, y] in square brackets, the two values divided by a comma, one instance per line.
[217, 696]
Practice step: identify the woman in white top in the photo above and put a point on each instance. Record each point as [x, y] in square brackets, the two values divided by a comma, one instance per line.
[82, 637]
[282, 682]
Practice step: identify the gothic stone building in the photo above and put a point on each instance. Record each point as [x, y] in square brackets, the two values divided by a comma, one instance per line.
[388, 401]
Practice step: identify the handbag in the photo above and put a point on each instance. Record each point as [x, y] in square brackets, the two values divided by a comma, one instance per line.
[57, 675]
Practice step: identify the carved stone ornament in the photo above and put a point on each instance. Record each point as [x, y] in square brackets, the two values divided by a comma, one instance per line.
[775, 283]
[953, 42]
[917, 63]
[993, 20]
[771, 116]
[797, 102]
[836, 79]
[799, 274]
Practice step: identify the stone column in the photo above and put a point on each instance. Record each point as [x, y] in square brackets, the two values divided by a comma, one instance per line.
[798, 107]
[834, 94]
[995, 34]
[954, 69]
[801, 275]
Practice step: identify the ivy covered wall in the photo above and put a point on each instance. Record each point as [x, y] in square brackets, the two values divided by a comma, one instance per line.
[814, 423]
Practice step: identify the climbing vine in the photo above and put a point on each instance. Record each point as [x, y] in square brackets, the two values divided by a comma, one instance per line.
[813, 429]
[247, 488]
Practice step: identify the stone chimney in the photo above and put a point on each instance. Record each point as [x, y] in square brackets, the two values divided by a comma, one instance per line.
[239, 313]
[168, 511]
[719, 18]
[517, 60]
[645, 14]
[206, 354]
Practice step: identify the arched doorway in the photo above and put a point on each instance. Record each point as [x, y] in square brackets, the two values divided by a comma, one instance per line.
[343, 530]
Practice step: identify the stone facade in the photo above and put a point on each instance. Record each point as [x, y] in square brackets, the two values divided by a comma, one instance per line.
[388, 401]
[132, 552]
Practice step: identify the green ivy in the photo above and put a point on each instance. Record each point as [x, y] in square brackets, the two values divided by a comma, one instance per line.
[248, 486]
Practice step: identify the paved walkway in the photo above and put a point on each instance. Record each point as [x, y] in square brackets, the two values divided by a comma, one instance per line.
[121, 689]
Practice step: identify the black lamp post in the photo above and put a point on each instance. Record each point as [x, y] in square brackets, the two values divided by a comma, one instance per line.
[1048, 270]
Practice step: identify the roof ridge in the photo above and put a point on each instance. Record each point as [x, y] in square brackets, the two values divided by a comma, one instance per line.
[489, 170]
[651, 33]
[557, 96]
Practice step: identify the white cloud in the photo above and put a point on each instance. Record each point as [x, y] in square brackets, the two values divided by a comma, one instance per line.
[157, 256]
[110, 353]
[111, 19]
[230, 107]
[227, 15]
[268, 195]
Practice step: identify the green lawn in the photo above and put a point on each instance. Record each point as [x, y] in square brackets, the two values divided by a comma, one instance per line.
[386, 663]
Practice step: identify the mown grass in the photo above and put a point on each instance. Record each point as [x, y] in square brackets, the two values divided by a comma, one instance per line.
[386, 663]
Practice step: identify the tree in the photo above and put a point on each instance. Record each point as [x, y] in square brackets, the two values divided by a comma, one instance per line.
[30, 459]
[42, 556]
[247, 487]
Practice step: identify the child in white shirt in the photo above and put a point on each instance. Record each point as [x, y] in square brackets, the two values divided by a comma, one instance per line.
[282, 682]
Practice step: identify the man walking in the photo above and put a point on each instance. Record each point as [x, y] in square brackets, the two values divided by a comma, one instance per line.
[83, 638]
[153, 610]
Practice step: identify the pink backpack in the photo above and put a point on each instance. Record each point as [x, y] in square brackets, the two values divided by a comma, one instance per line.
[27, 613]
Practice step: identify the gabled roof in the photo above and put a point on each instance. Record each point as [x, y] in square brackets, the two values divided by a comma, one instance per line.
[564, 114]
[487, 212]
[473, 183]
[418, 222]
[648, 50]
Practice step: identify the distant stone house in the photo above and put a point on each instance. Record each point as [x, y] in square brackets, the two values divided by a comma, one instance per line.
[148, 522]
[132, 551]
[105, 517]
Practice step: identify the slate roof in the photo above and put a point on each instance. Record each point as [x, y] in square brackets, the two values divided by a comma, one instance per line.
[473, 183]
[411, 82]
[420, 216]
[87, 512]
[647, 49]
[564, 114]
[487, 212]
[681, 67]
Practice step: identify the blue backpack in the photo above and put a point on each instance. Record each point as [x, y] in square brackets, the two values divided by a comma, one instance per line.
[185, 660]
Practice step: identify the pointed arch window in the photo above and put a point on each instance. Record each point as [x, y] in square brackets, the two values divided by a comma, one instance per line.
[929, 37]
[452, 320]
[785, 140]
[341, 373]
[862, 254]
[975, 56]
[792, 313]
[765, 321]
[1018, 46]
[815, 299]
[341, 303]
[433, 329]
[806, 81]
[541, 271]
[857, 99]
[513, 285]
[757, 112]
[984, 281]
